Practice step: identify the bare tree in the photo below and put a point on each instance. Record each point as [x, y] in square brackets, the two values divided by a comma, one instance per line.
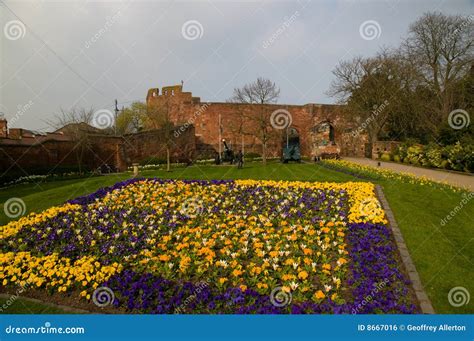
[259, 94]
[367, 86]
[441, 47]
[76, 123]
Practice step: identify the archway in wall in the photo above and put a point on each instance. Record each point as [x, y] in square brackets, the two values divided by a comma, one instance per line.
[323, 140]
[291, 149]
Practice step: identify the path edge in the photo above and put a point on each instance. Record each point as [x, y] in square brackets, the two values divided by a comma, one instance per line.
[423, 299]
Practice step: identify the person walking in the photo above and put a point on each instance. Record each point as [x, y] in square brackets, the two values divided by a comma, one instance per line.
[240, 159]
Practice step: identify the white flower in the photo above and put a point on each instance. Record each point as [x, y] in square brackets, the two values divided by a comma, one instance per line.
[295, 265]
[327, 287]
[293, 285]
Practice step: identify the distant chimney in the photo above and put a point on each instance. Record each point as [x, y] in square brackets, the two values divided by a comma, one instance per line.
[3, 128]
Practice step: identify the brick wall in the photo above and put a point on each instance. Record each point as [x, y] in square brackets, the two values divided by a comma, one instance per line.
[233, 122]
[26, 155]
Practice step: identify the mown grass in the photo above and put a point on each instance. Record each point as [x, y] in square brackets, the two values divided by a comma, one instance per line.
[443, 255]
[26, 306]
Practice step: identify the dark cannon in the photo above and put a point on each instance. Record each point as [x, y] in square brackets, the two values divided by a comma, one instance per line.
[228, 155]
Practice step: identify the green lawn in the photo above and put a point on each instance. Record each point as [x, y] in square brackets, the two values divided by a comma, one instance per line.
[25, 306]
[443, 255]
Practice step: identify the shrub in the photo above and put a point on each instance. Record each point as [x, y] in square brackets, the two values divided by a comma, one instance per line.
[456, 156]
[385, 157]
[459, 157]
[153, 160]
[251, 156]
[434, 155]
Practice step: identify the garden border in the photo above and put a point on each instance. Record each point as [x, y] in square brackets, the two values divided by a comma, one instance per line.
[48, 304]
[422, 297]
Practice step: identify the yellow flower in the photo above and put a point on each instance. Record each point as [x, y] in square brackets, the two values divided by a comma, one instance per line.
[236, 272]
[341, 261]
[303, 275]
[164, 258]
[222, 280]
[319, 295]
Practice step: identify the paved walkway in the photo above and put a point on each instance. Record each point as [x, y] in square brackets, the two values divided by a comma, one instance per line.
[464, 180]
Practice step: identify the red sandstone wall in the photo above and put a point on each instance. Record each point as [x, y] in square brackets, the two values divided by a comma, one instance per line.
[184, 108]
[20, 158]
[139, 147]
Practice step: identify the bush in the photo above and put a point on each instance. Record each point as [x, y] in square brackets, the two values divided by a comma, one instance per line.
[459, 157]
[444, 164]
[434, 156]
[385, 157]
[153, 160]
[252, 156]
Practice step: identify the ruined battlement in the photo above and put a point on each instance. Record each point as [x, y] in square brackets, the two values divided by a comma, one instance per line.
[172, 93]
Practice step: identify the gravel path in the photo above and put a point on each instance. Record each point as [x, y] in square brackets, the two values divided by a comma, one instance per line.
[464, 180]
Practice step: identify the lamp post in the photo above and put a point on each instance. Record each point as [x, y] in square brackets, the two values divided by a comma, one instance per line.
[220, 137]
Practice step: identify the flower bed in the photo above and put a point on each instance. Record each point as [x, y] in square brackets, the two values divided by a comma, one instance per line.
[244, 246]
[369, 172]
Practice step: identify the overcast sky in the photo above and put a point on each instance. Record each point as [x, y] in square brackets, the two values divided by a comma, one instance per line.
[88, 53]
